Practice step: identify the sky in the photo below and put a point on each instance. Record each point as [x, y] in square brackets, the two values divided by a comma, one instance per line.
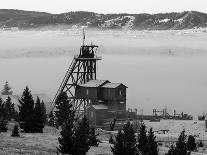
[107, 6]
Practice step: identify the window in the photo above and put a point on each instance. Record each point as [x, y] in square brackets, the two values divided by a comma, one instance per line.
[87, 92]
[91, 114]
[120, 92]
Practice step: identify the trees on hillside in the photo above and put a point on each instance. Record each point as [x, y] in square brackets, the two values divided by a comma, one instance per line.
[127, 143]
[39, 116]
[26, 111]
[31, 115]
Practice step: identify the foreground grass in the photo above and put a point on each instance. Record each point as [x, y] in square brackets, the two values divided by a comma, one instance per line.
[39, 144]
[47, 142]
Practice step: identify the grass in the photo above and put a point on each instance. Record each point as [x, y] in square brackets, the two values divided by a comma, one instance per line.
[47, 142]
[40, 144]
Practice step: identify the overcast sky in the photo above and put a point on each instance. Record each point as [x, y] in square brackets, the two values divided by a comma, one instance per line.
[106, 6]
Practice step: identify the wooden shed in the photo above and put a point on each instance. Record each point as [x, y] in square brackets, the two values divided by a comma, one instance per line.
[97, 113]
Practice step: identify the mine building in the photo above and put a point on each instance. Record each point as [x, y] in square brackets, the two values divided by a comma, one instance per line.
[107, 100]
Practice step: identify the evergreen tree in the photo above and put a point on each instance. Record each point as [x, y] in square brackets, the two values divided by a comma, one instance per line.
[118, 147]
[44, 112]
[81, 136]
[129, 139]
[2, 110]
[26, 111]
[151, 147]
[3, 126]
[181, 148]
[191, 144]
[51, 119]
[66, 140]
[63, 107]
[142, 138]
[8, 108]
[39, 115]
[92, 137]
[6, 90]
[15, 131]
[171, 151]
[126, 141]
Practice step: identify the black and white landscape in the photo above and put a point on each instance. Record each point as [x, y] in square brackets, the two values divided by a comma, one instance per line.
[160, 57]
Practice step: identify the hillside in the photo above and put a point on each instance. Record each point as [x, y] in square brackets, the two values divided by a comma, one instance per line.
[161, 21]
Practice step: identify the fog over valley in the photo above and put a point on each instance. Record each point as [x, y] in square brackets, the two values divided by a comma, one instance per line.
[160, 68]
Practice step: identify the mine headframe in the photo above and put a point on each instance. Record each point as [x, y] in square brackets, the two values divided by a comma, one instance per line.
[81, 70]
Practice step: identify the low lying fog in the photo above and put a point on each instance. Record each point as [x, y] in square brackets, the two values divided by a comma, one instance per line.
[160, 68]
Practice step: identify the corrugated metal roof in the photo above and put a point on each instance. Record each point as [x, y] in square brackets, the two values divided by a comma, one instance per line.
[112, 85]
[100, 106]
[94, 83]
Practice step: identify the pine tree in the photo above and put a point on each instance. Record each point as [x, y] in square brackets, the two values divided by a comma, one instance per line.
[2, 110]
[39, 115]
[129, 139]
[51, 119]
[81, 136]
[63, 107]
[15, 131]
[8, 108]
[26, 111]
[118, 147]
[6, 90]
[142, 138]
[151, 147]
[66, 140]
[92, 137]
[44, 112]
[181, 148]
[125, 141]
[171, 151]
[191, 144]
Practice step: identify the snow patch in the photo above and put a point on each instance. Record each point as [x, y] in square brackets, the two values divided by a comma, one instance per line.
[179, 20]
[164, 20]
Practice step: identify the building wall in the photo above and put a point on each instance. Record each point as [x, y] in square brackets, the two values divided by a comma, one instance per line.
[117, 105]
[86, 93]
[96, 116]
[118, 93]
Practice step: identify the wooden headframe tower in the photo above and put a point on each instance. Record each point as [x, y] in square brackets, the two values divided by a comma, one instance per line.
[81, 70]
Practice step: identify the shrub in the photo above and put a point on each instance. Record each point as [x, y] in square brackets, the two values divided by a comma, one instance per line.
[200, 144]
[15, 131]
[3, 126]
